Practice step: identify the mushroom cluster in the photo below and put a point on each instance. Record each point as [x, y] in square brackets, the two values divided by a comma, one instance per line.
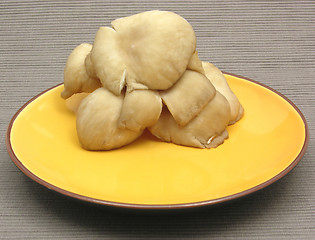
[144, 73]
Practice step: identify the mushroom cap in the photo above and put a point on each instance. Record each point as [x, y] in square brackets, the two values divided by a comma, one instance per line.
[89, 67]
[157, 47]
[204, 131]
[218, 80]
[141, 109]
[97, 122]
[76, 79]
[189, 95]
[73, 102]
[195, 64]
[108, 60]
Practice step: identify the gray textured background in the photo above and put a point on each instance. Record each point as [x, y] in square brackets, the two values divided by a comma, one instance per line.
[272, 42]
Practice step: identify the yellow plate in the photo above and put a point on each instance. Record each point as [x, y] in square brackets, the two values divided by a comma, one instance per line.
[263, 146]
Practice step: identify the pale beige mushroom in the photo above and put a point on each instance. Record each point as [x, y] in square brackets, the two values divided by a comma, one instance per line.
[97, 122]
[195, 64]
[76, 79]
[89, 67]
[158, 46]
[207, 130]
[219, 82]
[188, 96]
[149, 50]
[73, 102]
[108, 60]
[141, 109]
[142, 62]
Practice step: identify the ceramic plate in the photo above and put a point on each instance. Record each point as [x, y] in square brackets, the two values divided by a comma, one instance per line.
[263, 146]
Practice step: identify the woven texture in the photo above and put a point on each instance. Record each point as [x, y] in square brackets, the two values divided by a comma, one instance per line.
[272, 42]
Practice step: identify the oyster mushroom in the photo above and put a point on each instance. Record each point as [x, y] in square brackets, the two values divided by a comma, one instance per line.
[206, 130]
[144, 72]
[149, 50]
[219, 82]
[89, 67]
[140, 109]
[73, 102]
[108, 60]
[195, 64]
[97, 122]
[76, 78]
[188, 96]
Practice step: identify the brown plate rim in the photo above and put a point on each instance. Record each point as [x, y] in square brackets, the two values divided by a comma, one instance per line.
[50, 186]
